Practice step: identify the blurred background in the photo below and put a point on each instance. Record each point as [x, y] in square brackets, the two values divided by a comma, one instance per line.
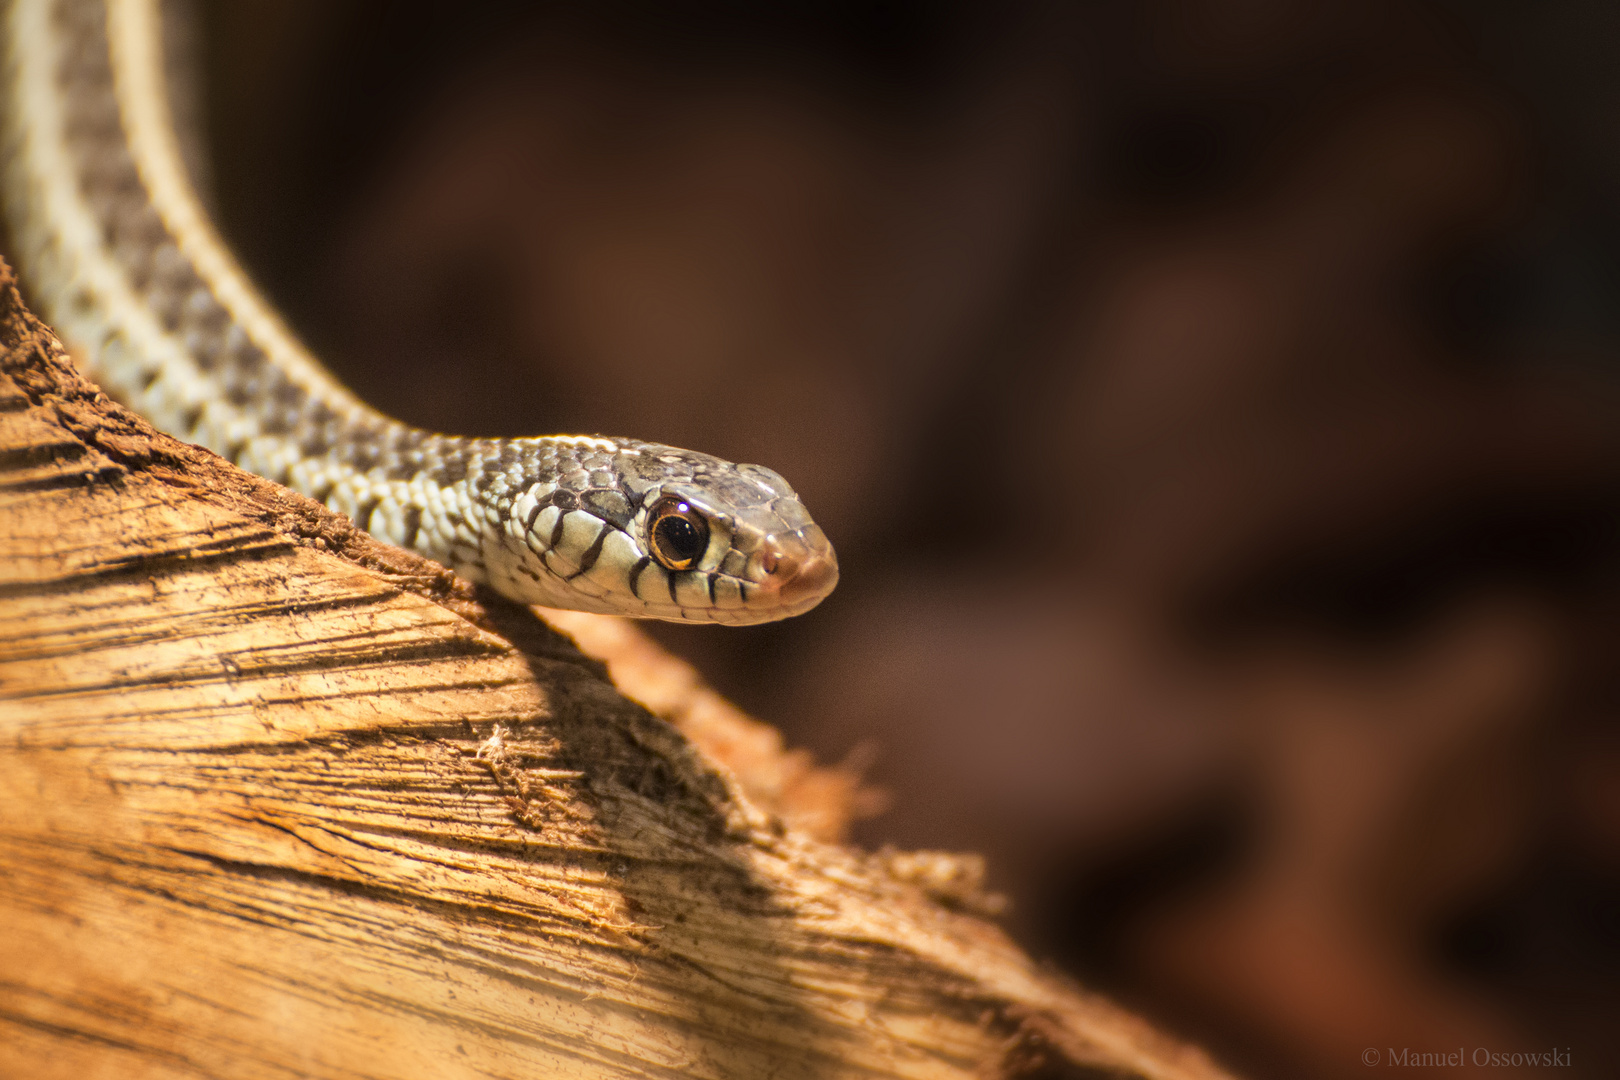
[1215, 405]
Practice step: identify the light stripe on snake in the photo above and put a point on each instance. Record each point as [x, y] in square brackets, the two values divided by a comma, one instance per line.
[116, 251]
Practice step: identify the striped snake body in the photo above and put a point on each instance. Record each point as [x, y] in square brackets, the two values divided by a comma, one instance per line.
[115, 249]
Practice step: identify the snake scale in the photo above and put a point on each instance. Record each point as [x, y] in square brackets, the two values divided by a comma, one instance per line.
[115, 249]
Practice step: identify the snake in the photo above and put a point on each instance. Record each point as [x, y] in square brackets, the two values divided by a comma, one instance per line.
[114, 246]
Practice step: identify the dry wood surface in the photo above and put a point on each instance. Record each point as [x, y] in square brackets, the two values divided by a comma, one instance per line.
[277, 800]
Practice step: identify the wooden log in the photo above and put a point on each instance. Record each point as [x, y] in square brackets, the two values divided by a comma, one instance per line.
[277, 800]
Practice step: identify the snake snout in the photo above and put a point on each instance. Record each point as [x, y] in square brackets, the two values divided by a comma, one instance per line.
[799, 570]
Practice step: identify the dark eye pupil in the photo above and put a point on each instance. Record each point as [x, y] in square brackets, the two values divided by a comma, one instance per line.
[679, 540]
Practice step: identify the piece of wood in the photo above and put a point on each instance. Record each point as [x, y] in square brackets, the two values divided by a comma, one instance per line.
[277, 800]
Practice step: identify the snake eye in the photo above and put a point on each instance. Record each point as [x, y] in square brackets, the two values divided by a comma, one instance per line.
[679, 534]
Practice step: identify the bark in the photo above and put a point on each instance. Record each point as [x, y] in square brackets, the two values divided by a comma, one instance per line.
[278, 800]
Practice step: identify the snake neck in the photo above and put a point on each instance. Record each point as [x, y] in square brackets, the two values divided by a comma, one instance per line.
[123, 261]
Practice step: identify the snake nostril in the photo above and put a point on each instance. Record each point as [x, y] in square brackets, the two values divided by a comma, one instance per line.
[769, 562]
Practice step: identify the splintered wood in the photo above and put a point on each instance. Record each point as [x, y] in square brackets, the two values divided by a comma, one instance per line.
[277, 800]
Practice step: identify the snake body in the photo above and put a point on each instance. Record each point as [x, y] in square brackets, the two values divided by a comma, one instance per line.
[116, 250]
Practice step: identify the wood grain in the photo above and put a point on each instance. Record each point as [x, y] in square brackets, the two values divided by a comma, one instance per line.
[279, 801]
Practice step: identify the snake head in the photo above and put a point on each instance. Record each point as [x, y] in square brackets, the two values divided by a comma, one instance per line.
[739, 543]
[664, 533]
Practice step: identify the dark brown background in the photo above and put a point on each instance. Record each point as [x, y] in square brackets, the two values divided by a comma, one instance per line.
[1214, 404]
